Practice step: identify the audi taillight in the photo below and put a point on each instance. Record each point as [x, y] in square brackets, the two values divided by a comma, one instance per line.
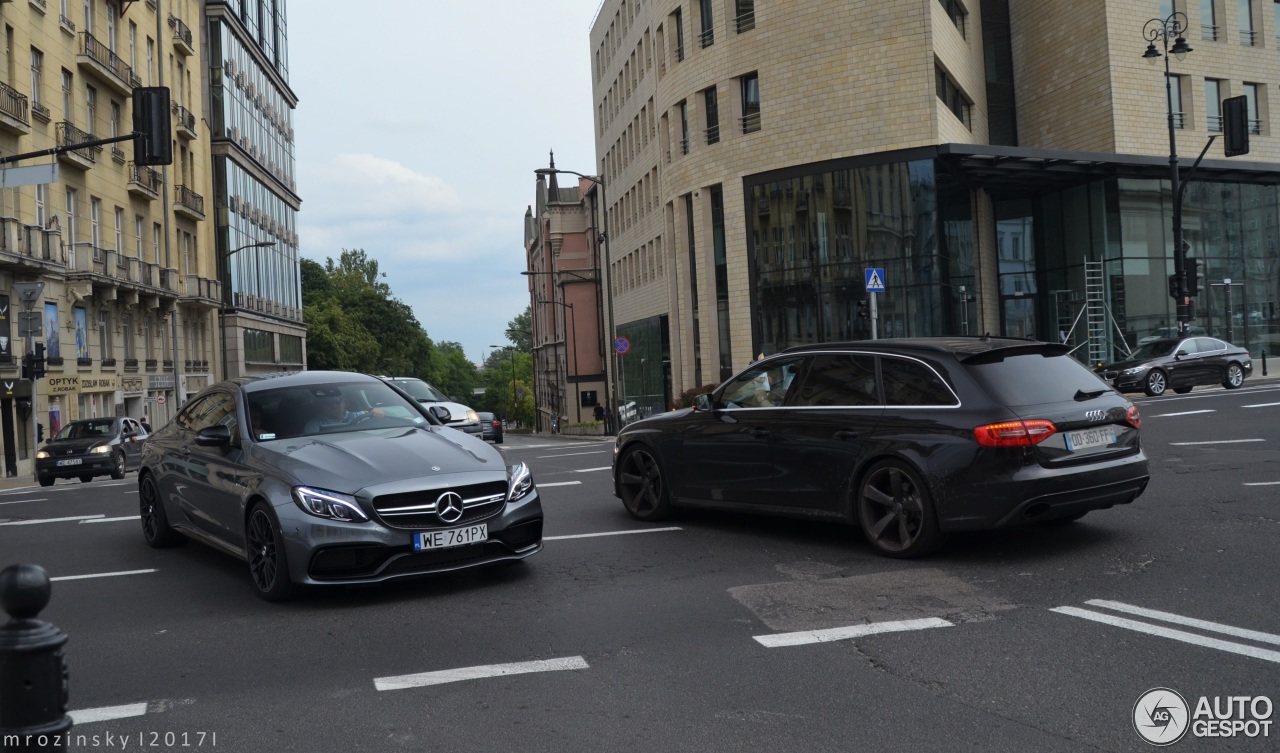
[1014, 433]
[1132, 418]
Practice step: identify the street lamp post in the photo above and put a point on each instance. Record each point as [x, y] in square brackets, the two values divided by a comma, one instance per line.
[512, 351]
[222, 311]
[1161, 30]
[611, 375]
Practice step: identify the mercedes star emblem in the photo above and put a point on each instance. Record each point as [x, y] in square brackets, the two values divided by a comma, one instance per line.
[449, 507]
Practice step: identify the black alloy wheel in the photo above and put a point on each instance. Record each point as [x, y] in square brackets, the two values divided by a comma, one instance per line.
[267, 565]
[1156, 383]
[117, 468]
[47, 480]
[896, 512]
[642, 486]
[1235, 377]
[155, 523]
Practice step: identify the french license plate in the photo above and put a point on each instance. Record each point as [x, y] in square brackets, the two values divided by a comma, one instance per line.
[1100, 437]
[72, 461]
[450, 537]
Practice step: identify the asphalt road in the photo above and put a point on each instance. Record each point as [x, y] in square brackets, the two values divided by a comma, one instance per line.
[641, 637]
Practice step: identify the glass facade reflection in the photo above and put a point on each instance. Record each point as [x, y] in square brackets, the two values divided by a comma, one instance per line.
[255, 214]
[813, 233]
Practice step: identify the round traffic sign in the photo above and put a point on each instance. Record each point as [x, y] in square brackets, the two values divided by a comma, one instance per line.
[622, 345]
[160, 399]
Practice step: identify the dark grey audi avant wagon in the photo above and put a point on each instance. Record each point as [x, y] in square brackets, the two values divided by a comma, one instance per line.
[907, 438]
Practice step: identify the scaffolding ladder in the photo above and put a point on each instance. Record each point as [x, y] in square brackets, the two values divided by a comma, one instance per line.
[1095, 303]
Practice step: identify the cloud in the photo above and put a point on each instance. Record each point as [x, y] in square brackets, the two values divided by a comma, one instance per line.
[365, 185]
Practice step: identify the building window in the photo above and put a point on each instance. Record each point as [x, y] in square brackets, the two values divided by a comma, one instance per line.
[750, 103]
[953, 97]
[956, 12]
[720, 256]
[708, 35]
[120, 232]
[1255, 120]
[1175, 101]
[259, 346]
[137, 237]
[684, 127]
[148, 340]
[37, 75]
[1208, 20]
[745, 15]
[1213, 104]
[133, 45]
[90, 110]
[104, 336]
[68, 113]
[155, 243]
[1248, 36]
[40, 204]
[95, 227]
[713, 115]
[677, 21]
[126, 324]
[115, 119]
[71, 214]
[291, 350]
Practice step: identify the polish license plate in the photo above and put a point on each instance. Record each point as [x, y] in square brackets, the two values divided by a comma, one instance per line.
[72, 461]
[476, 534]
[1082, 440]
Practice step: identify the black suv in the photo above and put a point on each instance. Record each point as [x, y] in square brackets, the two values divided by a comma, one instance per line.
[908, 438]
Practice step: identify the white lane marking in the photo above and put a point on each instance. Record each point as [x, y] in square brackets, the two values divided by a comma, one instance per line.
[50, 520]
[1177, 635]
[475, 673]
[1216, 441]
[1208, 394]
[103, 575]
[62, 487]
[1155, 614]
[107, 713]
[1261, 405]
[560, 483]
[803, 637]
[571, 454]
[111, 520]
[608, 533]
[20, 501]
[589, 470]
[1263, 483]
[1184, 413]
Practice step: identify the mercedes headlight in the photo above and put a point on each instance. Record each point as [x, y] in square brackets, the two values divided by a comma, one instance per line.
[331, 505]
[101, 450]
[1134, 370]
[519, 482]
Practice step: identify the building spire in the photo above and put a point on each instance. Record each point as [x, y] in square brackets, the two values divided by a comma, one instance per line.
[553, 194]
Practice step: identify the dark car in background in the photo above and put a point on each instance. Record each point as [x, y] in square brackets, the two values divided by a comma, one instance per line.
[324, 477]
[907, 438]
[91, 447]
[1179, 364]
[490, 427]
[460, 417]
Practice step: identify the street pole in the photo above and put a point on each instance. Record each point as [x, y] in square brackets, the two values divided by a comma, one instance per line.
[29, 294]
[875, 315]
[1175, 25]
[1226, 286]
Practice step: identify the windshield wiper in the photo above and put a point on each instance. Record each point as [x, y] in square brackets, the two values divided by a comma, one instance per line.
[1081, 395]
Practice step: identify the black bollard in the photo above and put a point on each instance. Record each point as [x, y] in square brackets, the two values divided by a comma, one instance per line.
[33, 672]
[1264, 363]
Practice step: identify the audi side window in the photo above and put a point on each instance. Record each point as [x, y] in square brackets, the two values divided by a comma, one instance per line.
[839, 380]
[912, 383]
[763, 386]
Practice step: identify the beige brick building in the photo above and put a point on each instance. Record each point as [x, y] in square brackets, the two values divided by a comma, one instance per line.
[1002, 169]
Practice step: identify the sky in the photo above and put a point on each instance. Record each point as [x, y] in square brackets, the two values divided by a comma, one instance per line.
[418, 128]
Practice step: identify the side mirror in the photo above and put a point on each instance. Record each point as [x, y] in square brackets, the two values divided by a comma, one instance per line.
[441, 413]
[702, 402]
[1180, 354]
[214, 436]
[130, 434]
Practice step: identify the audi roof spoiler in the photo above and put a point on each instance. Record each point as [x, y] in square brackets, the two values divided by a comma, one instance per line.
[1021, 349]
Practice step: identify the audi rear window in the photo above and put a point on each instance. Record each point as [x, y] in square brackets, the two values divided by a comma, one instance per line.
[1034, 379]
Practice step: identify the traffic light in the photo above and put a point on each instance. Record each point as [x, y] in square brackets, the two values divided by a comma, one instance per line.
[1193, 276]
[864, 309]
[1173, 287]
[28, 362]
[38, 363]
[39, 433]
[152, 130]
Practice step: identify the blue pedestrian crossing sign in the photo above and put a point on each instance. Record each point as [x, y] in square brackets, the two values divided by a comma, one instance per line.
[875, 279]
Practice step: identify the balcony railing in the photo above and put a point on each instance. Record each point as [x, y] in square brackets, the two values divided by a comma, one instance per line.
[679, 53]
[1255, 127]
[13, 103]
[1215, 123]
[181, 35]
[1179, 120]
[40, 112]
[751, 122]
[684, 146]
[713, 134]
[1208, 32]
[144, 178]
[707, 37]
[184, 118]
[185, 197]
[66, 23]
[68, 134]
[39, 5]
[1248, 37]
[103, 56]
[746, 22]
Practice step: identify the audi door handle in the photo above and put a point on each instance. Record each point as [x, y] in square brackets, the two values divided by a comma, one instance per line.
[846, 434]
[758, 432]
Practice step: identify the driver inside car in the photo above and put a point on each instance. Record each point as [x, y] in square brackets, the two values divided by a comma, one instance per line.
[332, 412]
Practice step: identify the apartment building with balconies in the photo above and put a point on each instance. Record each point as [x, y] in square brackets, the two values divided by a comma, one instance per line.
[131, 291]
[1005, 162]
[251, 122]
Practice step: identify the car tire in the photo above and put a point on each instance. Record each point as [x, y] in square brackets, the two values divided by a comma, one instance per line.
[896, 511]
[117, 469]
[46, 480]
[155, 523]
[1156, 383]
[643, 485]
[1182, 390]
[268, 566]
[86, 478]
[498, 440]
[1234, 378]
